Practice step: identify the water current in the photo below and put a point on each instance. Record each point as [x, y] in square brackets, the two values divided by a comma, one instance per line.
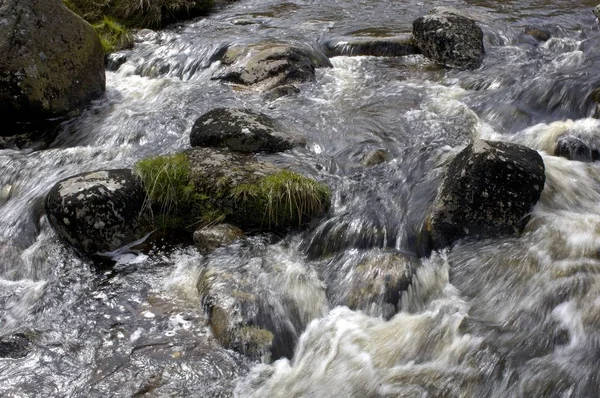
[505, 317]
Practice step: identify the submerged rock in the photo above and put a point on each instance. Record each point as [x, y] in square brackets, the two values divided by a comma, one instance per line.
[51, 62]
[266, 66]
[375, 46]
[208, 239]
[242, 130]
[449, 39]
[97, 211]
[488, 191]
[372, 281]
[14, 346]
[581, 148]
[375, 157]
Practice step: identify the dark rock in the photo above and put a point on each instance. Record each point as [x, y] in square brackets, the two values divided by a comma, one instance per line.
[97, 211]
[14, 346]
[115, 60]
[241, 130]
[488, 191]
[583, 149]
[449, 39]
[208, 239]
[375, 46]
[51, 61]
[264, 67]
[281, 91]
[375, 157]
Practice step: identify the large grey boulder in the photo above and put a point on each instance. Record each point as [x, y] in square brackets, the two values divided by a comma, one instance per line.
[242, 130]
[97, 211]
[267, 66]
[488, 191]
[449, 39]
[51, 61]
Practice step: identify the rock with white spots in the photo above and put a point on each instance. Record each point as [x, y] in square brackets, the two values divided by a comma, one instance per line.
[242, 130]
[488, 191]
[97, 211]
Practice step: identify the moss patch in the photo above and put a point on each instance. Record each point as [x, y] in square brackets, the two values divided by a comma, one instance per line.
[281, 200]
[113, 35]
[139, 13]
[276, 201]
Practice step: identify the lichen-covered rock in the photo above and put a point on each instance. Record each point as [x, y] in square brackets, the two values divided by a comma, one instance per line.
[242, 130]
[371, 281]
[375, 46]
[488, 191]
[449, 39]
[97, 211]
[208, 239]
[266, 66]
[51, 61]
[584, 148]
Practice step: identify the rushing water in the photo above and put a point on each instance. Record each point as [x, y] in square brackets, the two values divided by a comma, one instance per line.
[510, 317]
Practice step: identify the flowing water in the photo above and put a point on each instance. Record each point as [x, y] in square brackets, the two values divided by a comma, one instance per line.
[506, 317]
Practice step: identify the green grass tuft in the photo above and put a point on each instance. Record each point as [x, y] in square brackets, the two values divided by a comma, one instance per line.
[113, 35]
[283, 199]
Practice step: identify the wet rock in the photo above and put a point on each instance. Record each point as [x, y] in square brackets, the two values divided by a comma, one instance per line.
[208, 239]
[488, 191]
[51, 61]
[14, 346]
[596, 11]
[375, 46]
[242, 130]
[375, 157]
[266, 66]
[449, 39]
[537, 33]
[97, 211]
[281, 91]
[371, 282]
[583, 149]
[115, 60]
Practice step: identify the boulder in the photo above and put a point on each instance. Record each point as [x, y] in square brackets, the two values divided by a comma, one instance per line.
[266, 66]
[375, 46]
[97, 211]
[488, 190]
[449, 39]
[208, 239]
[241, 130]
[583, 148]
[51, 61]
[375, 157]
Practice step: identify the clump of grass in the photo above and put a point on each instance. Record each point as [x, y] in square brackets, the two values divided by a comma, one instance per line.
[139, 13]
[113, 35]
[171, 197]
[282, 199]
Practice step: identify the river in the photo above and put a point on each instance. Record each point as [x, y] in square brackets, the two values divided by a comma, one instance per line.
[505, 317]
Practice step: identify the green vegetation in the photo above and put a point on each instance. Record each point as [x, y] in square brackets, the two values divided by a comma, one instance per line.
[112, 19]
[282, 199]
[113, 36]
[277, 201]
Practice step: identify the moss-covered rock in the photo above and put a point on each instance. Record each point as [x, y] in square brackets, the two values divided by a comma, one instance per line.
[51, 61]
[203, 186]
[113, 35]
